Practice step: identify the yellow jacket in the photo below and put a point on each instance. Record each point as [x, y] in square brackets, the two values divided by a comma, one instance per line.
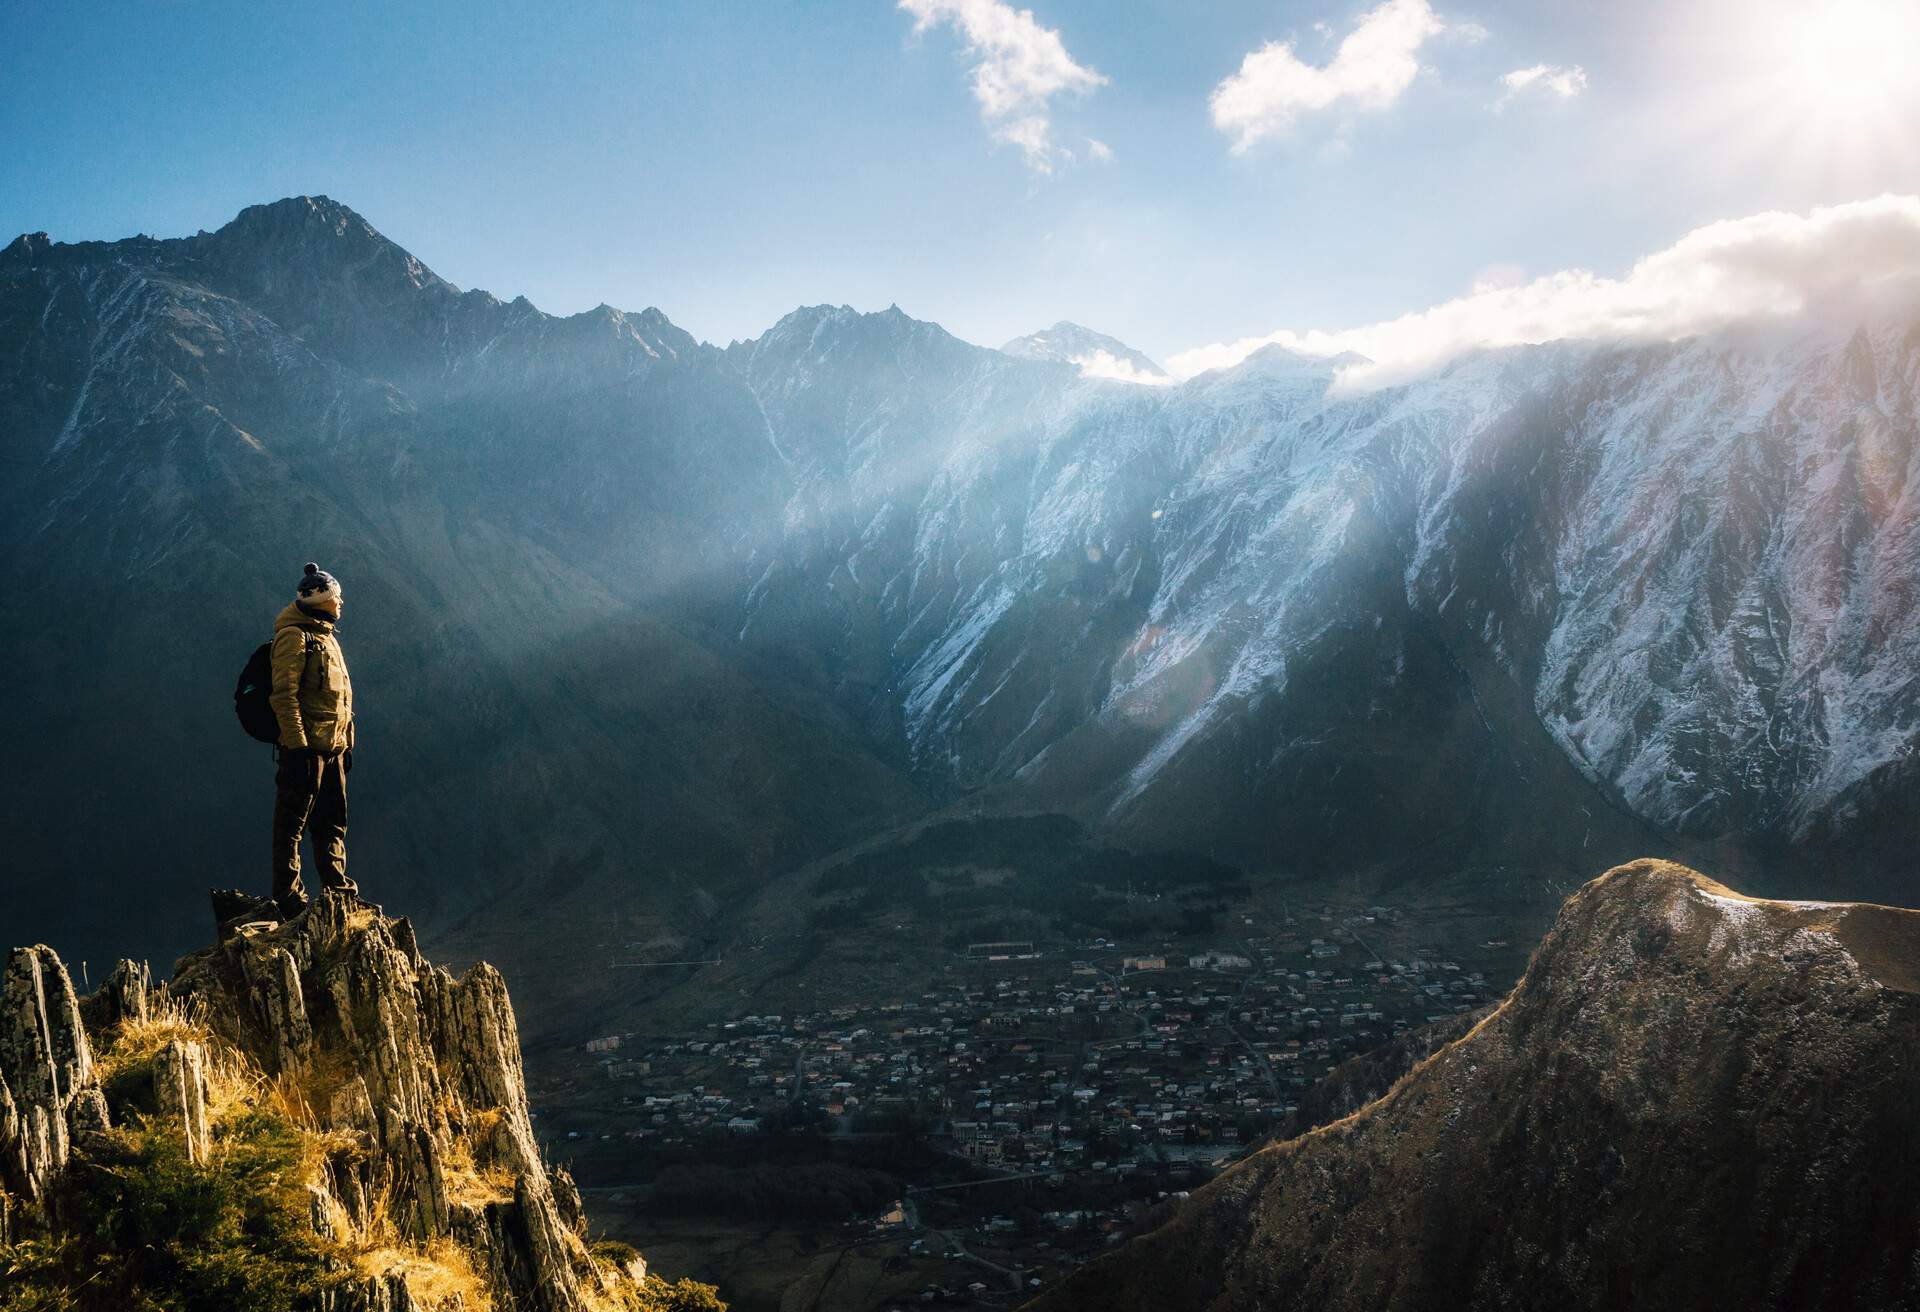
[312, 696]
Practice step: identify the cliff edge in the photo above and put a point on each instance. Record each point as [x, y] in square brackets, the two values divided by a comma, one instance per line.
[309, 1115]
[1693, 1099]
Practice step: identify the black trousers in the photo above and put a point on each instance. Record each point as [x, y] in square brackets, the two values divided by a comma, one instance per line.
[309, 794]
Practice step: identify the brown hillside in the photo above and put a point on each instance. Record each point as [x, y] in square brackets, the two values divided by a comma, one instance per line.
[1692, 1099]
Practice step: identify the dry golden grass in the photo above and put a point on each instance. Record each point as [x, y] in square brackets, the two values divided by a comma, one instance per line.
[470, 1183]
[307, 1088]
[614, 1291]
[437, 1275]
[483, 1121]
[233, 1083]
[135, 1043]
[612, 1300]
[478, 1188]
[435, 1272]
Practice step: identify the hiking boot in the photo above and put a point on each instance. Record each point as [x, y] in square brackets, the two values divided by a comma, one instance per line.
[355, 898]
[232, 909]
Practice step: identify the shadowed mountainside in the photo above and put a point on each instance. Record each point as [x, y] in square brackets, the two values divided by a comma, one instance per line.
[1361, 1079]
[1693, 1099]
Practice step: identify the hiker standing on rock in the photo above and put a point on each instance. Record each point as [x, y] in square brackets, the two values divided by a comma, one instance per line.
[312, 702]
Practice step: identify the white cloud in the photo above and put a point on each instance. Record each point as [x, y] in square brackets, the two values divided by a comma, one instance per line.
[1565, 81]
[1376, 62]
[1099, 151]
[1019, 66]
[1766, 266]
[1496, 277]
[1105, 364]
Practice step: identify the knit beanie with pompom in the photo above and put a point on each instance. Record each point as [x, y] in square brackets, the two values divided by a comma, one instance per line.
[318, 590]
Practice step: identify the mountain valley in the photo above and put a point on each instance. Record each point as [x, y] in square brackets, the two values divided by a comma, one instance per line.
[676, 620]
[939, 807]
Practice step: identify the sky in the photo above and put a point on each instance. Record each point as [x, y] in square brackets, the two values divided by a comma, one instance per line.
[1192, 178]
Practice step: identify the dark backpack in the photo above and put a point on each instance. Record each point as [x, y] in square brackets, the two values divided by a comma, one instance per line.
[250, 696]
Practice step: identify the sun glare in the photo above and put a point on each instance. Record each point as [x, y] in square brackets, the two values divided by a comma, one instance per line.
[1820, 94]
[1850, 57]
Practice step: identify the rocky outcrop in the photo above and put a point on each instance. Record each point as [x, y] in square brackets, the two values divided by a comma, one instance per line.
[124, 995]
[413, 1074]
[180, 1094]
[1693, 1099]
[387, 1293]
[48, 1091]
[403, 1080]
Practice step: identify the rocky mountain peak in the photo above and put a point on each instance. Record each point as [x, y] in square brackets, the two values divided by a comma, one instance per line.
[649, 329]
[878, 344]
[295, 210]
[318, 228]
[1693, 1098]
[1687, 922]
[25, 249]
[1097, 354]
[311, 257]
[810, 322]
[1277, 361]
[393, 1087]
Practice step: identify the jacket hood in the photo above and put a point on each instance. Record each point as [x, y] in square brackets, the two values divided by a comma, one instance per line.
[291, 616]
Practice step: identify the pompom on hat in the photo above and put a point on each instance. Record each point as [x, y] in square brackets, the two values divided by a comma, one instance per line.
[318, 589]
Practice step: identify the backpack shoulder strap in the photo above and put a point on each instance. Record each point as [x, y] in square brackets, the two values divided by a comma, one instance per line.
[309, 644]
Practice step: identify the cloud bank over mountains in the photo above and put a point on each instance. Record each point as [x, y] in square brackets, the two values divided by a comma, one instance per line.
[1105, 364]
[1765, 266]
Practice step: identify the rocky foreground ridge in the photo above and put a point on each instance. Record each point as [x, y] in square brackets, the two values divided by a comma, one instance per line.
[1692, 1099]
[309, 1115]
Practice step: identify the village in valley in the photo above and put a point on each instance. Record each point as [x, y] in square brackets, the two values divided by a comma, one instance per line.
[1052, 1097]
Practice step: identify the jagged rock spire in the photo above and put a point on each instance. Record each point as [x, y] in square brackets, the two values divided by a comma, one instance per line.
[48, 1092]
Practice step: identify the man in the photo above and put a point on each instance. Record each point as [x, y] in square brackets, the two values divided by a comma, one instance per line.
[313, 701]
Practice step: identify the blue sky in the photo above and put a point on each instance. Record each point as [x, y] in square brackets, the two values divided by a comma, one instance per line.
[730, 161]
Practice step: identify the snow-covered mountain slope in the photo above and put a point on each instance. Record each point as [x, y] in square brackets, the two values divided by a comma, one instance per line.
[1096, 354]
[1550, 605]
[1694, 563]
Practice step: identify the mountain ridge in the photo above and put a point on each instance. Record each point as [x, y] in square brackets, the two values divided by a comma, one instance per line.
[1405, 633]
